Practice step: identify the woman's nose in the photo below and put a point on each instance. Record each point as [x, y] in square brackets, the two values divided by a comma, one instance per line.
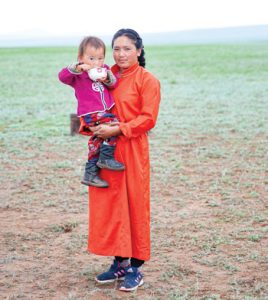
[121, 52]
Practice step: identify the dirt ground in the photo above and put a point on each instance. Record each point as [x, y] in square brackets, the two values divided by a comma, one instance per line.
[209, 216]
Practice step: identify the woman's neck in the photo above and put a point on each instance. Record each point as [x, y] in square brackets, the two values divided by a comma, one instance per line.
[125, 71]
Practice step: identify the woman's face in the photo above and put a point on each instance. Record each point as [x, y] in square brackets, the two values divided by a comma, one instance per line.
[125, 52]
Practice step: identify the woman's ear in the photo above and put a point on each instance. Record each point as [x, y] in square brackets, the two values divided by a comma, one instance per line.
[138, 52]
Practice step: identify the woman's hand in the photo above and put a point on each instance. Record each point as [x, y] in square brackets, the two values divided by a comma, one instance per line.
[105, 131]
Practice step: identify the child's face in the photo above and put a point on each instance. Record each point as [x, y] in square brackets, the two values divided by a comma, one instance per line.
[93, 57]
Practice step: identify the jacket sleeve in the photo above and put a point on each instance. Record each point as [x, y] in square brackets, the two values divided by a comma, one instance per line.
[68, 75]
[112, 81]
[150, 100]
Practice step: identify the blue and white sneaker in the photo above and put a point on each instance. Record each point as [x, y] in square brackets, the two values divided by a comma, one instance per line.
[133, 279]
[116, 272]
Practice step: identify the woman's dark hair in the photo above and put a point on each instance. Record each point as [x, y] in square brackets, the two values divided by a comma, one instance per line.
[135, 37]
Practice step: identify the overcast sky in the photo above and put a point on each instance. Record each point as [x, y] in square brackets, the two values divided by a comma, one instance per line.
[82, 17]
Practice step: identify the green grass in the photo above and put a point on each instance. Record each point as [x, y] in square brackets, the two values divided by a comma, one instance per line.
[215, 88]
[209, 165]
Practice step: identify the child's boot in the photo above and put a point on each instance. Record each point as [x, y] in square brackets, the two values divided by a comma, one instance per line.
[92, 178]
[106, 158]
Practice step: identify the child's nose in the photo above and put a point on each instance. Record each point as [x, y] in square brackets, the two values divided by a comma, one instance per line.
[98, 64]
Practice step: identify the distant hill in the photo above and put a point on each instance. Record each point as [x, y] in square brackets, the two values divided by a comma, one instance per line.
[241, 34]
[217, 35]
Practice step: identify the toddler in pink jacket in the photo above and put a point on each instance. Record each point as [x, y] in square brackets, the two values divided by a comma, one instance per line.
[91, 80]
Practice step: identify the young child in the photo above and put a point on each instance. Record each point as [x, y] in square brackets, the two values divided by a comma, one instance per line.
[91, 79]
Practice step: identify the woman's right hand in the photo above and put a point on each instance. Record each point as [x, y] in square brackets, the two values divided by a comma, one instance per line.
[106, 131]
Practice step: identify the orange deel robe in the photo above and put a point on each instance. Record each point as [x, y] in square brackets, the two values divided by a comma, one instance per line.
[119, 216]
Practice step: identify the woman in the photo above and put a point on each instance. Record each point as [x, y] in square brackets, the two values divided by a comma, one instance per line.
[119, 217]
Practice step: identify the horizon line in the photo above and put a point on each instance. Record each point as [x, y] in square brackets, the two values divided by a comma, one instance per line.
[35, 34]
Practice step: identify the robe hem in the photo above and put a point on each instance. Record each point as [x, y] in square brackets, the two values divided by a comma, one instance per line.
[103, 253]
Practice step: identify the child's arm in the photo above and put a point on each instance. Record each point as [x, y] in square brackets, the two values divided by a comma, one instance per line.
[67, 75]
[110, 81]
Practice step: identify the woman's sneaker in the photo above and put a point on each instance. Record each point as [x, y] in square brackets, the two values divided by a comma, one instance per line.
[116, 272]
[133, 280]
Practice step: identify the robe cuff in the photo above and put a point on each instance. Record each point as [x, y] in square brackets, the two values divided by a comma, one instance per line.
[126, 130]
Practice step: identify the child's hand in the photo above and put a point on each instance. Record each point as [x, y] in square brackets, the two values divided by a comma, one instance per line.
[83, 67]
[103, 79]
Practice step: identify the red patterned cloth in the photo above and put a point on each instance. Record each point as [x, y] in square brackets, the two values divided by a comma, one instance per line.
[94, 142]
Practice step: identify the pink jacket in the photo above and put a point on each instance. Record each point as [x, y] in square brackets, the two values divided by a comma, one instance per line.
[91, 96]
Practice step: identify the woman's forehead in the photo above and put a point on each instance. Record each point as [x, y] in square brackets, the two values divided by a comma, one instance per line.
[123, 41]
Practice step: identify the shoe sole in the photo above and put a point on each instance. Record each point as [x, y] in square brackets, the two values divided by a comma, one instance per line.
[108, 281]
[90, 184]
[123, 289]
[100, 165]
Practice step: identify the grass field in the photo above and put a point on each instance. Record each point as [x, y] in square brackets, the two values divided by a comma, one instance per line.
[209, 174]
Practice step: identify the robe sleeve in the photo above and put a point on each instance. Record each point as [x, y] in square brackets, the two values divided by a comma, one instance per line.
[150, 99]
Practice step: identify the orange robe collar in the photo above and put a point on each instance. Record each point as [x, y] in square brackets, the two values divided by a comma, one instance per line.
[126, 72]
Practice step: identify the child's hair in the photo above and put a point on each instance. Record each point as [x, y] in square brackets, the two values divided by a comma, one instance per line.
[92, 41]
